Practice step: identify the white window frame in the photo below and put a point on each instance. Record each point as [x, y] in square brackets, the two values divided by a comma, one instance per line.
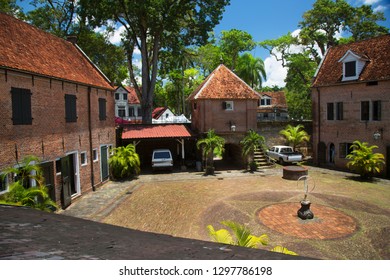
[95, 155]
[85, 158]
[229, 105]
[6, 182]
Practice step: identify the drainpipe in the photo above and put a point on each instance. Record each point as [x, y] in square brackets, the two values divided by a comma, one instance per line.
[90, 138]
[319, 122]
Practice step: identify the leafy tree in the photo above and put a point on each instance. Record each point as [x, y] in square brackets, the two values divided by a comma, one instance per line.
[251, 70]
[20, 192]
[273, 88]
[252, 142]
[10, 7]
[233, 42]
[208, 58]
[295, 135]
[243, 237]
[124, 163]
[61, 19]
[210, 145]
[153, 25]
[364, 161]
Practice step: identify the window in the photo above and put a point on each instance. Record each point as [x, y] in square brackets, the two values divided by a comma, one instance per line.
[125, 96]
[116, 96]
[131, 112]
[95, 155]
[345, 149]
[21, 106]
[330, 111]
[195, 105]
[227, 105]
[139, 111]
[121, 112]
[102, 109]
[70, 108]
[58, 166]
[365, 110]
[265, 101]
[339, 111]
[83, 158]
[3, 184]
[350, 69]
[376, 110]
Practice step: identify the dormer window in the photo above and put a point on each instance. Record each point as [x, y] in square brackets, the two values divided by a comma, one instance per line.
[353, 65]
[350, 69]
[265, 101]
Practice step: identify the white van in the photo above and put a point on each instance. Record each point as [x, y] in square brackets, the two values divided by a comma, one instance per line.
[162, 159]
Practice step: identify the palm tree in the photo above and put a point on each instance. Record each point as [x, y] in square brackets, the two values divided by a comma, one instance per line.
[242, 237]
[295, 135]
[250, 144]
[20, 192]
[211, 144]
[242, 234]
[124, 163]
[251, 70]
[364, 161]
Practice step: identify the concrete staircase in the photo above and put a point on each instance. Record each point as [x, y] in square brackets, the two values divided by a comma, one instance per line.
[261, 159]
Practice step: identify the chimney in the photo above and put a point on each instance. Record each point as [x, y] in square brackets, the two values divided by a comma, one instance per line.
[72, 39]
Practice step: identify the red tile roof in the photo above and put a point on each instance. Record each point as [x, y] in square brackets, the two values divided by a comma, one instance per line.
[222, 83]
[132, 96]
[26, 48]
[156, 131]
[376, 50]
[157, 112]
[278, 98]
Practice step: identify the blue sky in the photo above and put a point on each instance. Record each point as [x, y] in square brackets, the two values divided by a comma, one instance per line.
[265, 19]
[268, 19]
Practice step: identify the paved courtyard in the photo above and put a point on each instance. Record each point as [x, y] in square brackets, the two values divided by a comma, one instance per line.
[351, 218]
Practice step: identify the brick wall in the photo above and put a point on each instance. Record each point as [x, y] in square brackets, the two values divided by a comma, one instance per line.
[211, 115]
[50, 137]
[351, 128]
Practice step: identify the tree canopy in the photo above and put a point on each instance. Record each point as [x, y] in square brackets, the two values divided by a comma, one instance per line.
[153, 25]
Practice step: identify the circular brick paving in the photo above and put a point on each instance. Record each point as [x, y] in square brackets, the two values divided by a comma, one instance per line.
[327, 223]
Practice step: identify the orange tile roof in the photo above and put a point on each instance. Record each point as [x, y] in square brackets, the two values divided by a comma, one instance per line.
[376, 50]
[278, 98]
[26, 48]
[157, 112]
[222, 83]
[155, 131]
[132, 97]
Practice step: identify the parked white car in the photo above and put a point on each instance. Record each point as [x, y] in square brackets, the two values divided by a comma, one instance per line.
[162, 159]
[284, 154]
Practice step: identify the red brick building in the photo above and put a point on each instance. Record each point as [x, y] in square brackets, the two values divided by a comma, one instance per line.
[54, 104]
[272, 107]
[351, 101]
[225, 103]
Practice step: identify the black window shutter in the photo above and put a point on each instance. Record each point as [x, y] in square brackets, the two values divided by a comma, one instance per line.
[70, 108]
[102, 109]
[21, 106]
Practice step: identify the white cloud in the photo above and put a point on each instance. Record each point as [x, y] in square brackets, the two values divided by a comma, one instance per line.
[116, 37]
[380, 8]
[276, 73]
[370, 2]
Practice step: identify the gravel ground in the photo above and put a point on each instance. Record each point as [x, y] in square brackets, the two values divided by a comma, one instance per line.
[183, 204]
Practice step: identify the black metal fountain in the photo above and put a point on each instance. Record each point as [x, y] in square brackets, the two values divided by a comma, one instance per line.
[304, 212]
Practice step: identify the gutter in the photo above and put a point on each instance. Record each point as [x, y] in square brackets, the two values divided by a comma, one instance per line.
[90, 138]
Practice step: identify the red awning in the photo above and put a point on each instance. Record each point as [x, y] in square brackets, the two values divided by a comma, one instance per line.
[156, 131]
